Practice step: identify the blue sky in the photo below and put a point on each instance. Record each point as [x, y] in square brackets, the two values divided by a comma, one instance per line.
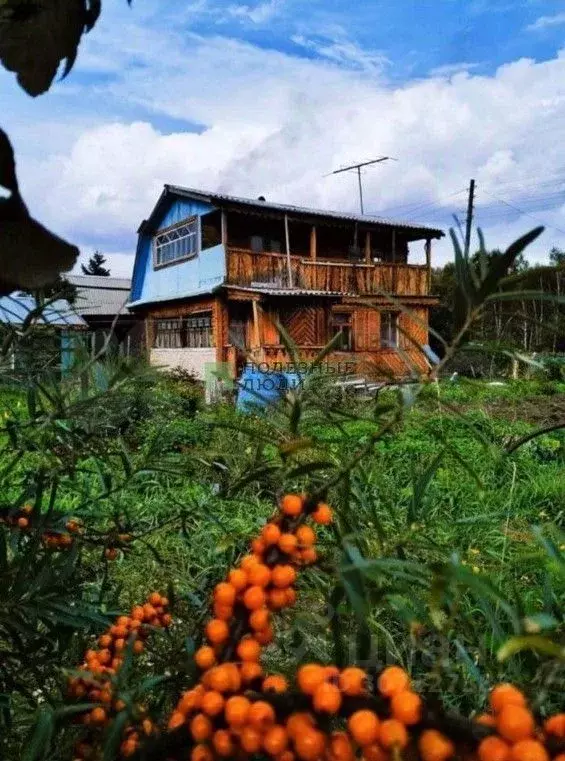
[270, 95]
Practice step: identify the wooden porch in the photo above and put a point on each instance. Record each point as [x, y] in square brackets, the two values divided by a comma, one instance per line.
[247, 268]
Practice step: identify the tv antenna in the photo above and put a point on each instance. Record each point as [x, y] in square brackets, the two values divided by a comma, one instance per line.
[357, 168]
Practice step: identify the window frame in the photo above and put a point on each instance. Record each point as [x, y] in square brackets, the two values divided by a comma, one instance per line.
[394, 317]
[186, 257]
[180, 329]
[337, 327]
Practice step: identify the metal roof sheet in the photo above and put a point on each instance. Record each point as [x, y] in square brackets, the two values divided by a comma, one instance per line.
[58, 314]
[223, 198]
[271, 291]
[100, 296]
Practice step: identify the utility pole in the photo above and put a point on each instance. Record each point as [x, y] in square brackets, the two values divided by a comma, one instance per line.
[469, 223]
[357, 168]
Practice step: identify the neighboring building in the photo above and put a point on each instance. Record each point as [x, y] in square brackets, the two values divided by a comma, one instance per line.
[50, 344]
[101, 302]
[214, 273]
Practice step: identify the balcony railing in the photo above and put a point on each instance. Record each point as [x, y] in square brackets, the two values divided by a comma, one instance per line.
[247, 268]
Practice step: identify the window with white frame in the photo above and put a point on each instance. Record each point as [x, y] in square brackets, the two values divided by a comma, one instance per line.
[389, 330]
[177, 243]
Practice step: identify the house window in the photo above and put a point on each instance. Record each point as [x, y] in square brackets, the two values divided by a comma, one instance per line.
[256, 244]
[341, 322]
[389, 329]
[168, 334]
[177, 243]
[193, 332]
[199, 331]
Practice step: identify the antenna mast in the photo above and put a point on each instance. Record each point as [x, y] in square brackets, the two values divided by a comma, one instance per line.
[357, 168]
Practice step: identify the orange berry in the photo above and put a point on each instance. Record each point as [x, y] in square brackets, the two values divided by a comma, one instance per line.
[250, 740]
[23, 522]
[223, 743]
[434, 746]
[275, 683]
[270, 534]
[205, 657]
[290, 596]
[128, 747]
[406, 706]
[154, 598]
[505, 694]
[310, 744]
[250, 670]
[212, 703]
[352, 681]
[258, 546]
[201, 753]
[288, 543]
[254, 598]
[223, 612]
[119, 644]
[217, 631]
[249, 649]
[137, 613]
[238, 579]
[327, 698]
[332, 673]
[219, 678]
[493, 748]
[149, 612]
[286, 755]
[105, 640]
[248, 562]
[261, 715]
[515, 723]
[308, 556]
[292, 504]
[283, 576]
[364, 726]
[529, 750]
[224, 593]
[98, 716]
[237, 711]
[277, 599]
[555, 725]
[298, 722]
[259, 619]
[306, 536]
[322, 515]
[393, 680]
[374, 752]
[259, 575]
[393, 734]
[201, 727]
[110, 553]
[340, 747]
[275, 740]
[310, 677]
[486, 720]
[138, 647]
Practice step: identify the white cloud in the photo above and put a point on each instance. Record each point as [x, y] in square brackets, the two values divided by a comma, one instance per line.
[546, 22]
[276, 124]
[450, 69]
[258, 14]
[339, 49]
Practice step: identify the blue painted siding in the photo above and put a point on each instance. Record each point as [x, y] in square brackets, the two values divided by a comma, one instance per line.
[198, 275]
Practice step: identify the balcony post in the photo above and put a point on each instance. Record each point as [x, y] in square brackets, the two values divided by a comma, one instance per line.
[313, 243]
[224, 229]
[393, 246]
[256, 327]
[428, 249]
[368, 247]
[288, 262]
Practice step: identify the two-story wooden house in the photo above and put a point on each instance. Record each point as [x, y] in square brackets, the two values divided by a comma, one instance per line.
[214, 274]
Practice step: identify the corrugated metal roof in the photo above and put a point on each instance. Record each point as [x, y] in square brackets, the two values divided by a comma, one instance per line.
[270, 291]
[59, 314]
[222, 198]
[100, 296]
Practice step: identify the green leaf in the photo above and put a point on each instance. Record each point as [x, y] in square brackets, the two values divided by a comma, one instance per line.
[114, 736]
[39, 744]
[420, 486]
[533, 642]
[337, 596]
[499, 265]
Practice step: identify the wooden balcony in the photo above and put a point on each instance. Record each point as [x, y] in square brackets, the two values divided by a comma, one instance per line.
[246, 268]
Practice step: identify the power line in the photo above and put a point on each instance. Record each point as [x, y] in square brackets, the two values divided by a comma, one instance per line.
[521, 211]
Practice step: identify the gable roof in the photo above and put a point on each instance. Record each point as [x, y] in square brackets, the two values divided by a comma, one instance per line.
[58, 314]
[237, 203]
[100, 296]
